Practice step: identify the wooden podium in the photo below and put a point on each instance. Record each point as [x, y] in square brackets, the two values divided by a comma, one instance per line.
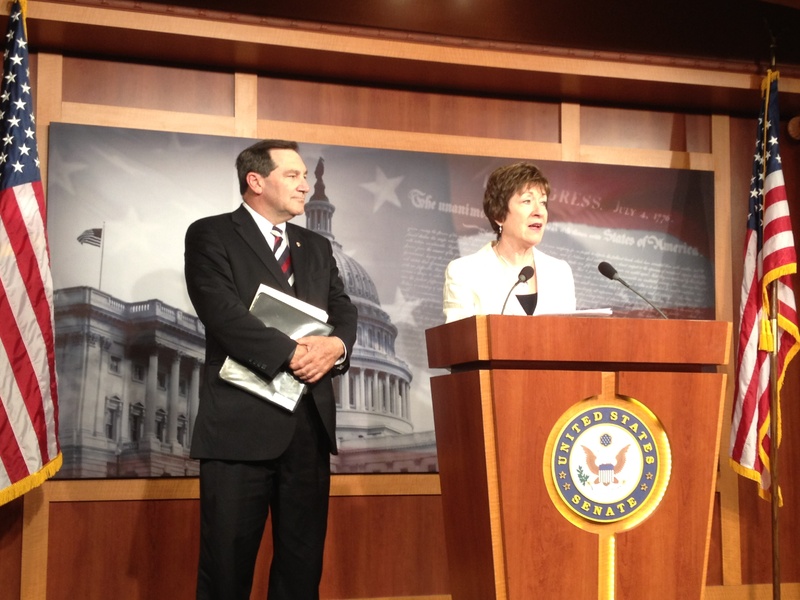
[511, 379]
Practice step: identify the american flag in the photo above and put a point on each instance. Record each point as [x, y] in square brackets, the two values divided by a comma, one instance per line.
[769, 259]
[93, 237]
[29, 447]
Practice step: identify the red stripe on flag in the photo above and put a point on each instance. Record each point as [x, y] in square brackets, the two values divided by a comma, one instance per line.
[10, 451]
[24, 375]
[14, 340]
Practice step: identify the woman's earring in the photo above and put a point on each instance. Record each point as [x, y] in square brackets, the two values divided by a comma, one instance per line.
[500, 230]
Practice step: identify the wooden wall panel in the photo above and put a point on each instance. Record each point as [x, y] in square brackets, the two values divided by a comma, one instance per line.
[727, 224]
[378, 546]
[384, 546]
[626, 128]
[111, 83]
[11, 548]
[123, 550]
[403, 110]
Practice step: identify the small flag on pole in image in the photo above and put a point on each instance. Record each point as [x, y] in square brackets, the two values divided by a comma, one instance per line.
[93, 237]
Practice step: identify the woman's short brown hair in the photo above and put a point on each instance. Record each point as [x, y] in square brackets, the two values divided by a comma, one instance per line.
[506, 181]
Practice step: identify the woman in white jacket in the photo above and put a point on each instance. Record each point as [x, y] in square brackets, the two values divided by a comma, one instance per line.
[515, 202]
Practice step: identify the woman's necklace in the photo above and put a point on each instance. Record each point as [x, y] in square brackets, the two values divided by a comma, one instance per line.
[532, 286]
[508, 264]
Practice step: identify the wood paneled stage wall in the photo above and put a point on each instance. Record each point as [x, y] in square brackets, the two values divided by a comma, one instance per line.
[136, 539]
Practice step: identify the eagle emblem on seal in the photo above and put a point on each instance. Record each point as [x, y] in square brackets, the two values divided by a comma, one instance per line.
[606, 472]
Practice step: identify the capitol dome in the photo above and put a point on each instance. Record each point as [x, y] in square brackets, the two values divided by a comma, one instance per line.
[356, 280]
[372, 398]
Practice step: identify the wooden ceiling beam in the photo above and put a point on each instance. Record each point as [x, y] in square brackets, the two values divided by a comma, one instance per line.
[193, 38]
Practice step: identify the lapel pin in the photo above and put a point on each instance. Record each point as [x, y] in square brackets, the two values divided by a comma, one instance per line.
[298, 244]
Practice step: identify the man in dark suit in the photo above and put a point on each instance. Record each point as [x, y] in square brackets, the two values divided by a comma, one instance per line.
[254, 455]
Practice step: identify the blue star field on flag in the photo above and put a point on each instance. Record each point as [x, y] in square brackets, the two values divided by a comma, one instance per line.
[19, 159]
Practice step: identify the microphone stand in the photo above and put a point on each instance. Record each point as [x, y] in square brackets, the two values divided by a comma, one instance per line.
[611, 273]
[524, 275]
[658, 310]
[513, 287]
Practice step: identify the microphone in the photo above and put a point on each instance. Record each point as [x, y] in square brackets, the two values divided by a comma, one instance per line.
[608, 271]
[524, 275]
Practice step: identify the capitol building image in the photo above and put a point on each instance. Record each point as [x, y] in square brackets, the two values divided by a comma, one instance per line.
[373, 398]
[129, 376]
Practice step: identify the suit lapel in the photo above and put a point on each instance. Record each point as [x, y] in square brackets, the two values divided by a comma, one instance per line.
[246, 227]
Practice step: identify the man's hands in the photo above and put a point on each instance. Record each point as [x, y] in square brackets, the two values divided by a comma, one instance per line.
[315, 356]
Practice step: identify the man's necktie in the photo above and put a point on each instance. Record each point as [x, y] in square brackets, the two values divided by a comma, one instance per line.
[281, 250]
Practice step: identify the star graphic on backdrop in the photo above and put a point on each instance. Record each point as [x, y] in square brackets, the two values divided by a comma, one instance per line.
[123, 163]
[133, 235]
[402, 310]
[384, 189]
[63, 174]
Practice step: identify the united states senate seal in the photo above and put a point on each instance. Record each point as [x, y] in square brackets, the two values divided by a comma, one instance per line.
[609, 462]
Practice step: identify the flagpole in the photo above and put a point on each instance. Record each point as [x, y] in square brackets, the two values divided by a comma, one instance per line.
[773, 444]
[102, 249]
[773, 377]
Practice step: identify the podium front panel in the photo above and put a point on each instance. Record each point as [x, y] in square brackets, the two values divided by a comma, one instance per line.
[546, 556]
[494, 415]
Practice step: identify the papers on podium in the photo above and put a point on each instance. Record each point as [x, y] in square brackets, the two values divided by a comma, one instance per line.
[296, 319]
[583, 312]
